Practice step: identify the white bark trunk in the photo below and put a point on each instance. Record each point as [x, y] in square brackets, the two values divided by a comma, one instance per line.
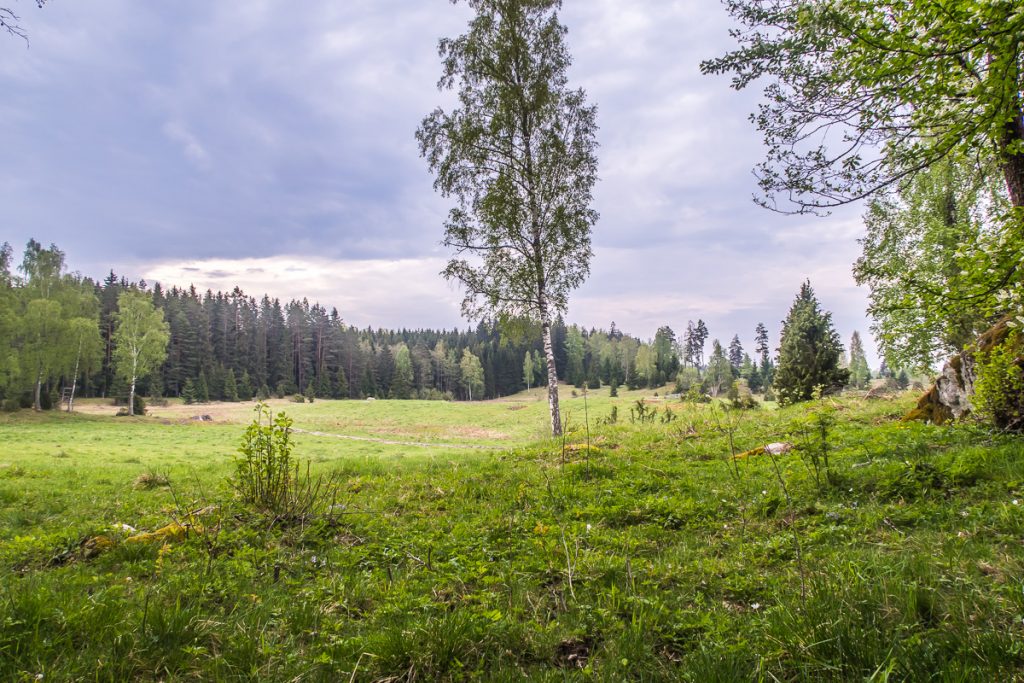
[74, 380]
[131, 391]
[37, 401]
[549, 354]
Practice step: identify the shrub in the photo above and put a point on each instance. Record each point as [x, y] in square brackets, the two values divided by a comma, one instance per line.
[1000, 384]
[140, 406]
[266, 476]
[741, 396]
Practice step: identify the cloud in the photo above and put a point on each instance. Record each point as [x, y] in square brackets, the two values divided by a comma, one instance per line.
[377, 293]
[190, 146]
[259, 134]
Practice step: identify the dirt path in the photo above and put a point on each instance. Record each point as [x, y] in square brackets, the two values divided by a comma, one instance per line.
[415, 444]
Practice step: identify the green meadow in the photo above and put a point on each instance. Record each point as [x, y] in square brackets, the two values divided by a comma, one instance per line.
[475, 548]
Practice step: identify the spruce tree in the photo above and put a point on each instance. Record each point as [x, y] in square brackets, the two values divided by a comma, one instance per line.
[188, 392]
[809, 351]
[735, 354]
[202, 389]
[245, 391]
[230, 387]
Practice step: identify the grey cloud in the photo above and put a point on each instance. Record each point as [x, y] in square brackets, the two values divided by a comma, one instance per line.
[262, 128]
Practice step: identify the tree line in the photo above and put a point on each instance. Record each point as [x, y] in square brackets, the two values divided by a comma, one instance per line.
[64, 330]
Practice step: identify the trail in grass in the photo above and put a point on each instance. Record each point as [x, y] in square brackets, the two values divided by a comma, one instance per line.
[415, 444]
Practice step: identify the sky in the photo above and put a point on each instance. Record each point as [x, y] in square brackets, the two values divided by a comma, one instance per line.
[270, 145]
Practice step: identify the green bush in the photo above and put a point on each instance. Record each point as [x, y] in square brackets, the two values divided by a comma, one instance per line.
[267, 478]
[999, 386]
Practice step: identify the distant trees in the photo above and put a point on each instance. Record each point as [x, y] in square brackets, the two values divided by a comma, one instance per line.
[809, 351]
[518, 156]
[718, 375]
[736, 354]
[860, 374]
[52, 318]
[472, 373]
[665, 358]
[767, 368]
[402, 382]
[140, 339]
[693, 344]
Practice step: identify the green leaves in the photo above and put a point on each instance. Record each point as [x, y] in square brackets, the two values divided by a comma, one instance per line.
[517, 156]
[864, 94]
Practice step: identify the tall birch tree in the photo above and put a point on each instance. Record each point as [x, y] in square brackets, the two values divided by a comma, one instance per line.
[140, 339]
[517, 154]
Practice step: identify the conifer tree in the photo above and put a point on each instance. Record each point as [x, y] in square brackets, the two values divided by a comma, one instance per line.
[188, 392]
[809, 351]
[230, 387]
[341, 383]
[700, 337]
[735, 354]
[245, 392]
[202, 389]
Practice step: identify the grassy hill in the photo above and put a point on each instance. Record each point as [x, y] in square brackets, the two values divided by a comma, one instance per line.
[477, 549]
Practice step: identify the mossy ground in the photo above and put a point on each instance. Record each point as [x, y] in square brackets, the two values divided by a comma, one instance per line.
[652, 555]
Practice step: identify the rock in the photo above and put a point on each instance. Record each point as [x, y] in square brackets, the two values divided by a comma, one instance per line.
[950, 397]
[96, 545]
[780, 448]
[202, 418]
[171, 532]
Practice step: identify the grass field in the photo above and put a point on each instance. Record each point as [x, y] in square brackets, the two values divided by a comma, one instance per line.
[879, 551]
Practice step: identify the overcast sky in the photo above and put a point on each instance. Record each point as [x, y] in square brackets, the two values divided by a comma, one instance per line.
[270, 145]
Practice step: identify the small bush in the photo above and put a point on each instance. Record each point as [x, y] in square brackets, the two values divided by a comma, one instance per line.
[266, 476]
[1000, 385]
[151, 480]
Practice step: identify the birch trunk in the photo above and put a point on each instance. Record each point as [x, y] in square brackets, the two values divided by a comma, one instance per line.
[549, 354]
[74, 379]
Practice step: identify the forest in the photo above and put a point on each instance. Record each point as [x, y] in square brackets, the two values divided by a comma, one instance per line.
[60, 328]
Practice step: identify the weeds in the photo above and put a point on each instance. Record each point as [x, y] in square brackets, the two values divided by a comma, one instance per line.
[151, 480]
[268, 479]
